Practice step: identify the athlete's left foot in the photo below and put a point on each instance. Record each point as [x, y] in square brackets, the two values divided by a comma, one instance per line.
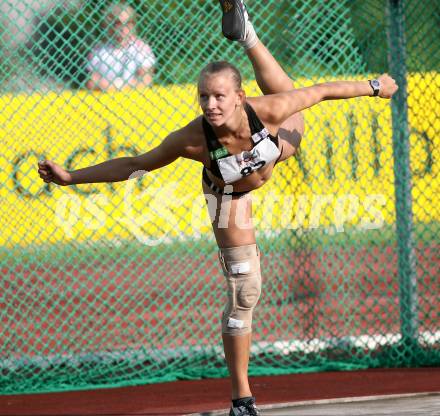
[234, 19]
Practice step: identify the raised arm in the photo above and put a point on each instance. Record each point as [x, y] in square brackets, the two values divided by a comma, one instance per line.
[115, 170]
[278, 107]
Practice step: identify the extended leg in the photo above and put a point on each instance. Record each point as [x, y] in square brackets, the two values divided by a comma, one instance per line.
[236, 25]
[270, 77]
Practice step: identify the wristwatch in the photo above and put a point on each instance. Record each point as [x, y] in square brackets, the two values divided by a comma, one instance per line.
[375, 84]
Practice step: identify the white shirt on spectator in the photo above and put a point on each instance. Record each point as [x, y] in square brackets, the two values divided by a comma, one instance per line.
[123, 62]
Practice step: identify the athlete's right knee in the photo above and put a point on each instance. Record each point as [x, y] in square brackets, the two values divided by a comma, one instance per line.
[241, 267]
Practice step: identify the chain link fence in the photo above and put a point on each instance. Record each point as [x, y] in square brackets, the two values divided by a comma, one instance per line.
[118, 284]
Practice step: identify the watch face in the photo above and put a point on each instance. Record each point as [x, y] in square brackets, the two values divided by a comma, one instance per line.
[375, 84]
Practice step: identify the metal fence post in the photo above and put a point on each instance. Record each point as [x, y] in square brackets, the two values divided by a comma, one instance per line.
[402, 174]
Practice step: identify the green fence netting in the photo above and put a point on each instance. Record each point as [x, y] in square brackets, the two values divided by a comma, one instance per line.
[110, 285]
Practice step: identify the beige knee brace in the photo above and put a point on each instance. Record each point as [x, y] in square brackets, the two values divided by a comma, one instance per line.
[241, 267]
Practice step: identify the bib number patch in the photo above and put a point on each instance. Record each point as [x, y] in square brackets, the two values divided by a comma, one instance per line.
[252, 168]
[235, 167]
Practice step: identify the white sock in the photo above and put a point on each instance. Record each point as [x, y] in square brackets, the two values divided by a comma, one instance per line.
[251, 38]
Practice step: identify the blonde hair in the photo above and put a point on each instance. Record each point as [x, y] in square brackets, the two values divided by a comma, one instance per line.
[220, 66]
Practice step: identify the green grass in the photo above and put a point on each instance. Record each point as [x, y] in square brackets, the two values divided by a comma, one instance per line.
[293, 240]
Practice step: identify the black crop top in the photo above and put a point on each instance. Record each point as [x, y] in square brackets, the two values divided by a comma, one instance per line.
[231, 168]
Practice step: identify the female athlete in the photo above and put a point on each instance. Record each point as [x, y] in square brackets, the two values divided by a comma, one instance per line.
[238, 140]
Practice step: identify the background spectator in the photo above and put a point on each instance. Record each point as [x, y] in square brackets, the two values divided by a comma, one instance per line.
[124, 59]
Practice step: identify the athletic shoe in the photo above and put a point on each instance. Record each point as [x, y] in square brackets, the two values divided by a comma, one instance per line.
[234, 19]
[248, 409]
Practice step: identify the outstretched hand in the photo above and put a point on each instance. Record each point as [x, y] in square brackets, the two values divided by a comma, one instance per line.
[51, 172]
[387, 86]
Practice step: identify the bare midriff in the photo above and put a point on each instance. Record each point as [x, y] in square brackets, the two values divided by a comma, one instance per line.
[248, 183]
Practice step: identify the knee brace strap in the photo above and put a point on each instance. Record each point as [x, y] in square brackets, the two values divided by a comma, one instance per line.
[241, 267]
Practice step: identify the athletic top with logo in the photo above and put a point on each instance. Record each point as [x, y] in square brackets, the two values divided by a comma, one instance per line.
[231, 168]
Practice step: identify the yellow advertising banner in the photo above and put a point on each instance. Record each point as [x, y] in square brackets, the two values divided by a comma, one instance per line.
[342, 176]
